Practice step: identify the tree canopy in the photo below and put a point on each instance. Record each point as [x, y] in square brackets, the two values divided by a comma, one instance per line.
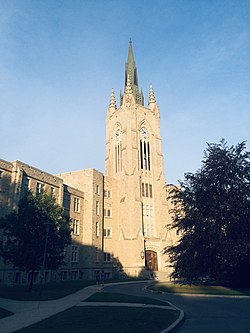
[24, 234]
[212, 210]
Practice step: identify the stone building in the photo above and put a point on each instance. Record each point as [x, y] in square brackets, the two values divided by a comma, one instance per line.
[119, 219]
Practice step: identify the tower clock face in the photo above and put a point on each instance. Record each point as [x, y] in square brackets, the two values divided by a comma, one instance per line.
[118, 134]
[144, 132]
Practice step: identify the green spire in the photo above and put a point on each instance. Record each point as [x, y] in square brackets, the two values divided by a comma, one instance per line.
[131, 70]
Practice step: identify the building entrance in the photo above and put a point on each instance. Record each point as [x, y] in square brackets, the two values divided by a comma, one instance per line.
[151, 260]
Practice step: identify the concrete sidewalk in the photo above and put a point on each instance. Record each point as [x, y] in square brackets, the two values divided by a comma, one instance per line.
[29, 312]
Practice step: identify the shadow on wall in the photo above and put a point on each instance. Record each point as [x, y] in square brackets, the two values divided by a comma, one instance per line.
[7, 190]
[81, 263]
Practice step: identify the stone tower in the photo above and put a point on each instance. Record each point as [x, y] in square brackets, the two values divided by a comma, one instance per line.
[135, 173]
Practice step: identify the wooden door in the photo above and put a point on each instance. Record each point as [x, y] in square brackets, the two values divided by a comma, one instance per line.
[151, 260]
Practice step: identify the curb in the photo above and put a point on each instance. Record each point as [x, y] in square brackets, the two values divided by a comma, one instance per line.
[181, 316]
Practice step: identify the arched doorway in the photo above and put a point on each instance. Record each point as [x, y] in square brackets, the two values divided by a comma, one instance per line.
[151, 260]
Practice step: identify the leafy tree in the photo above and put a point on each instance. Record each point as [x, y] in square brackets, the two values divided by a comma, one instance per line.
[212, 210]
[24, 234]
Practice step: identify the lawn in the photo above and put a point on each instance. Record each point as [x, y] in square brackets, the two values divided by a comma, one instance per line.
[106, 320]
[197, 289]
[122, 298]
[4, 313]
[47, 292]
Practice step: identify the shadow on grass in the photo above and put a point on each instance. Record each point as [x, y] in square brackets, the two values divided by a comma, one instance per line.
[106, 320]
[5, 313]
[122, 298]
[48, 291]
[198, 289]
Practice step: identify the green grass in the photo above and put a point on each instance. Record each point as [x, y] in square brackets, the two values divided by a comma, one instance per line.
[122, 298]
[198, 289]
[5, 313]
[49, 291]
[106, 320]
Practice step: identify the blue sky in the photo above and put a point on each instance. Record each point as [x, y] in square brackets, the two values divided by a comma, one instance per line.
[59, 61]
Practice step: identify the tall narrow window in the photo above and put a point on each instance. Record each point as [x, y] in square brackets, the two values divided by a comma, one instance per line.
[148, 157]
[118, 157]
[150, 191]
[145, 156]
[76, 227]
[97, 189]
[142, 190]
[76, 204]
[96, 254]
[97, 208]
[97, 229]
[146, 190]
[141, 154]
[74, 253]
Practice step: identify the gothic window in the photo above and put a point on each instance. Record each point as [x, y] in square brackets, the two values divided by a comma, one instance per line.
[148, 157]
[145, 165]
[118, 157]
[145, 161]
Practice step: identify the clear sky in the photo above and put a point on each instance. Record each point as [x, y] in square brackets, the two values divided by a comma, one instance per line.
[60, 59]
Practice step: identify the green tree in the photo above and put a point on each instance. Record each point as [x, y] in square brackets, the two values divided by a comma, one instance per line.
[24, 234]
[212, 210]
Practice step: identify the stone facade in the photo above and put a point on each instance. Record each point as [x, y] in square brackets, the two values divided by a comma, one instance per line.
[119, 219]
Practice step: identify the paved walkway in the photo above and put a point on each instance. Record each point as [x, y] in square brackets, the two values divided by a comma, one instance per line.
[27, 313]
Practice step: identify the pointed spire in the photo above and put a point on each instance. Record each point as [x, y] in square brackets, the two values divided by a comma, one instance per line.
[152, 101]
[131, 60]
[151, 98]
[131, 71]
[112, 103]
